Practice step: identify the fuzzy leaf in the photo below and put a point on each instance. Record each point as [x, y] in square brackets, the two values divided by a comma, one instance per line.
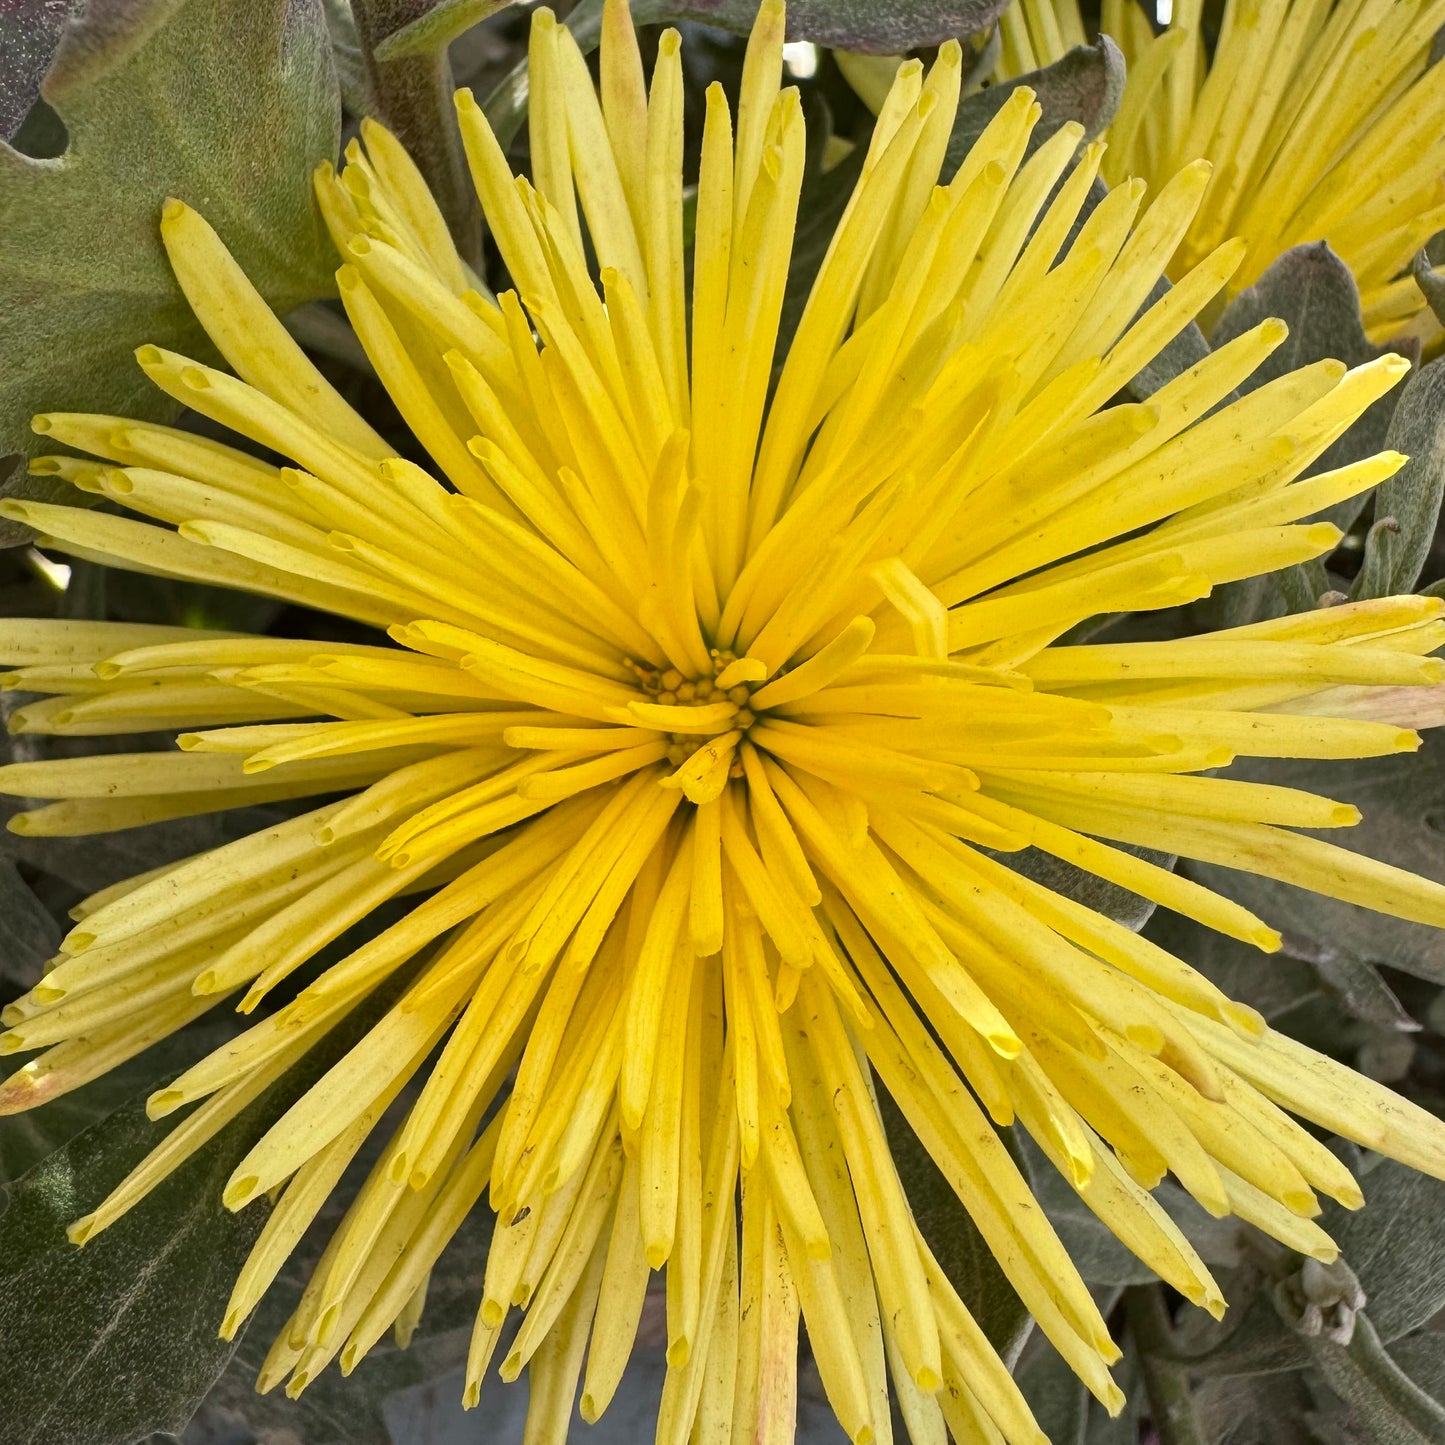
[1087, 888]
[1055, 1393]
[1101, 1259]
[1411, 498]
[29, 34]
[354, 1410]
[92, 863]
[1421, 1357]
[412, 94]
[29, 1137]
[1085, 85]
[1389, 1406]
[1254, 1410]
[862, 25]
[137, 1308]
[106, 1343]
[1282, 986]
[227, 104]
[1429, 275]
[1311, 289]
[437, 27]
[28, 934]
[1395, 1245]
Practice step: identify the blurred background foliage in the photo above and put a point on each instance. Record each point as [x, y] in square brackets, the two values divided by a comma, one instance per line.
[107, 107]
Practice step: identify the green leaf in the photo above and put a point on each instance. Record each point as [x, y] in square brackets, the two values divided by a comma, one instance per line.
[1412, 496]
[1311, 289]
[1085, 85]
[227, 104]
[1356, 983]
[1429, 276]
[1402, 798]
[1084, 887]
[1255, 1410]
[117, 1340]
[1055, 1393]
[1186, 349]
[1385, 1401]
[435, 29]
[350, 1410]
[1251, 1340]
[90, 864]
[22, 487]
[26, 1139]
[862, 25]
[1274, 988]
[1064, 1409]
[29, 34]
[28, 934]
[1421, 1357]
[1293, 977]
[107, 1343]
[1395, 1245]
[412, 94]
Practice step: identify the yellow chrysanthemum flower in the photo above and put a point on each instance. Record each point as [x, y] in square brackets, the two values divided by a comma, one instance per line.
[704, 715]
[1323, 121]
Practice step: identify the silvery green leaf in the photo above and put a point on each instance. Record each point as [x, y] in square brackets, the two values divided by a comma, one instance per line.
[1429, 276]
[227, 106]
[28, 933]
[1254, 1410]
[1395, 1245]
[1311, 289]
[29, 34]
[1411, 498]
[1385, 1402]
[1055, 1393]
[1085, 85]
[107, 1343]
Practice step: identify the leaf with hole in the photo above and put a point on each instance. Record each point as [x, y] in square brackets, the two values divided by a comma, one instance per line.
[227, 104]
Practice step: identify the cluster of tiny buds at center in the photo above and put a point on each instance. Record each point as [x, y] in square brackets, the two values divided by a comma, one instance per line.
[671, 688]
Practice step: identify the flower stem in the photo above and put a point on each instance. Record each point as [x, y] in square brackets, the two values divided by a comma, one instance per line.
[1171, 1405]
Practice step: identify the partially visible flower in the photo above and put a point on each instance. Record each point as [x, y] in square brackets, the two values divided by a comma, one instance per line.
[1323, 122]
[709, 698]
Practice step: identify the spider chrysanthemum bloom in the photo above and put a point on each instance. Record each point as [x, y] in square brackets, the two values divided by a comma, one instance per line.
[707, 708]
[1323, 122]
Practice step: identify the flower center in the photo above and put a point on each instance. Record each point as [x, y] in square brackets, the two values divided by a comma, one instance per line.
[671, 688]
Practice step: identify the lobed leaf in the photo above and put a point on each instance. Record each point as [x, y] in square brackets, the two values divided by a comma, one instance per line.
[228, 104]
